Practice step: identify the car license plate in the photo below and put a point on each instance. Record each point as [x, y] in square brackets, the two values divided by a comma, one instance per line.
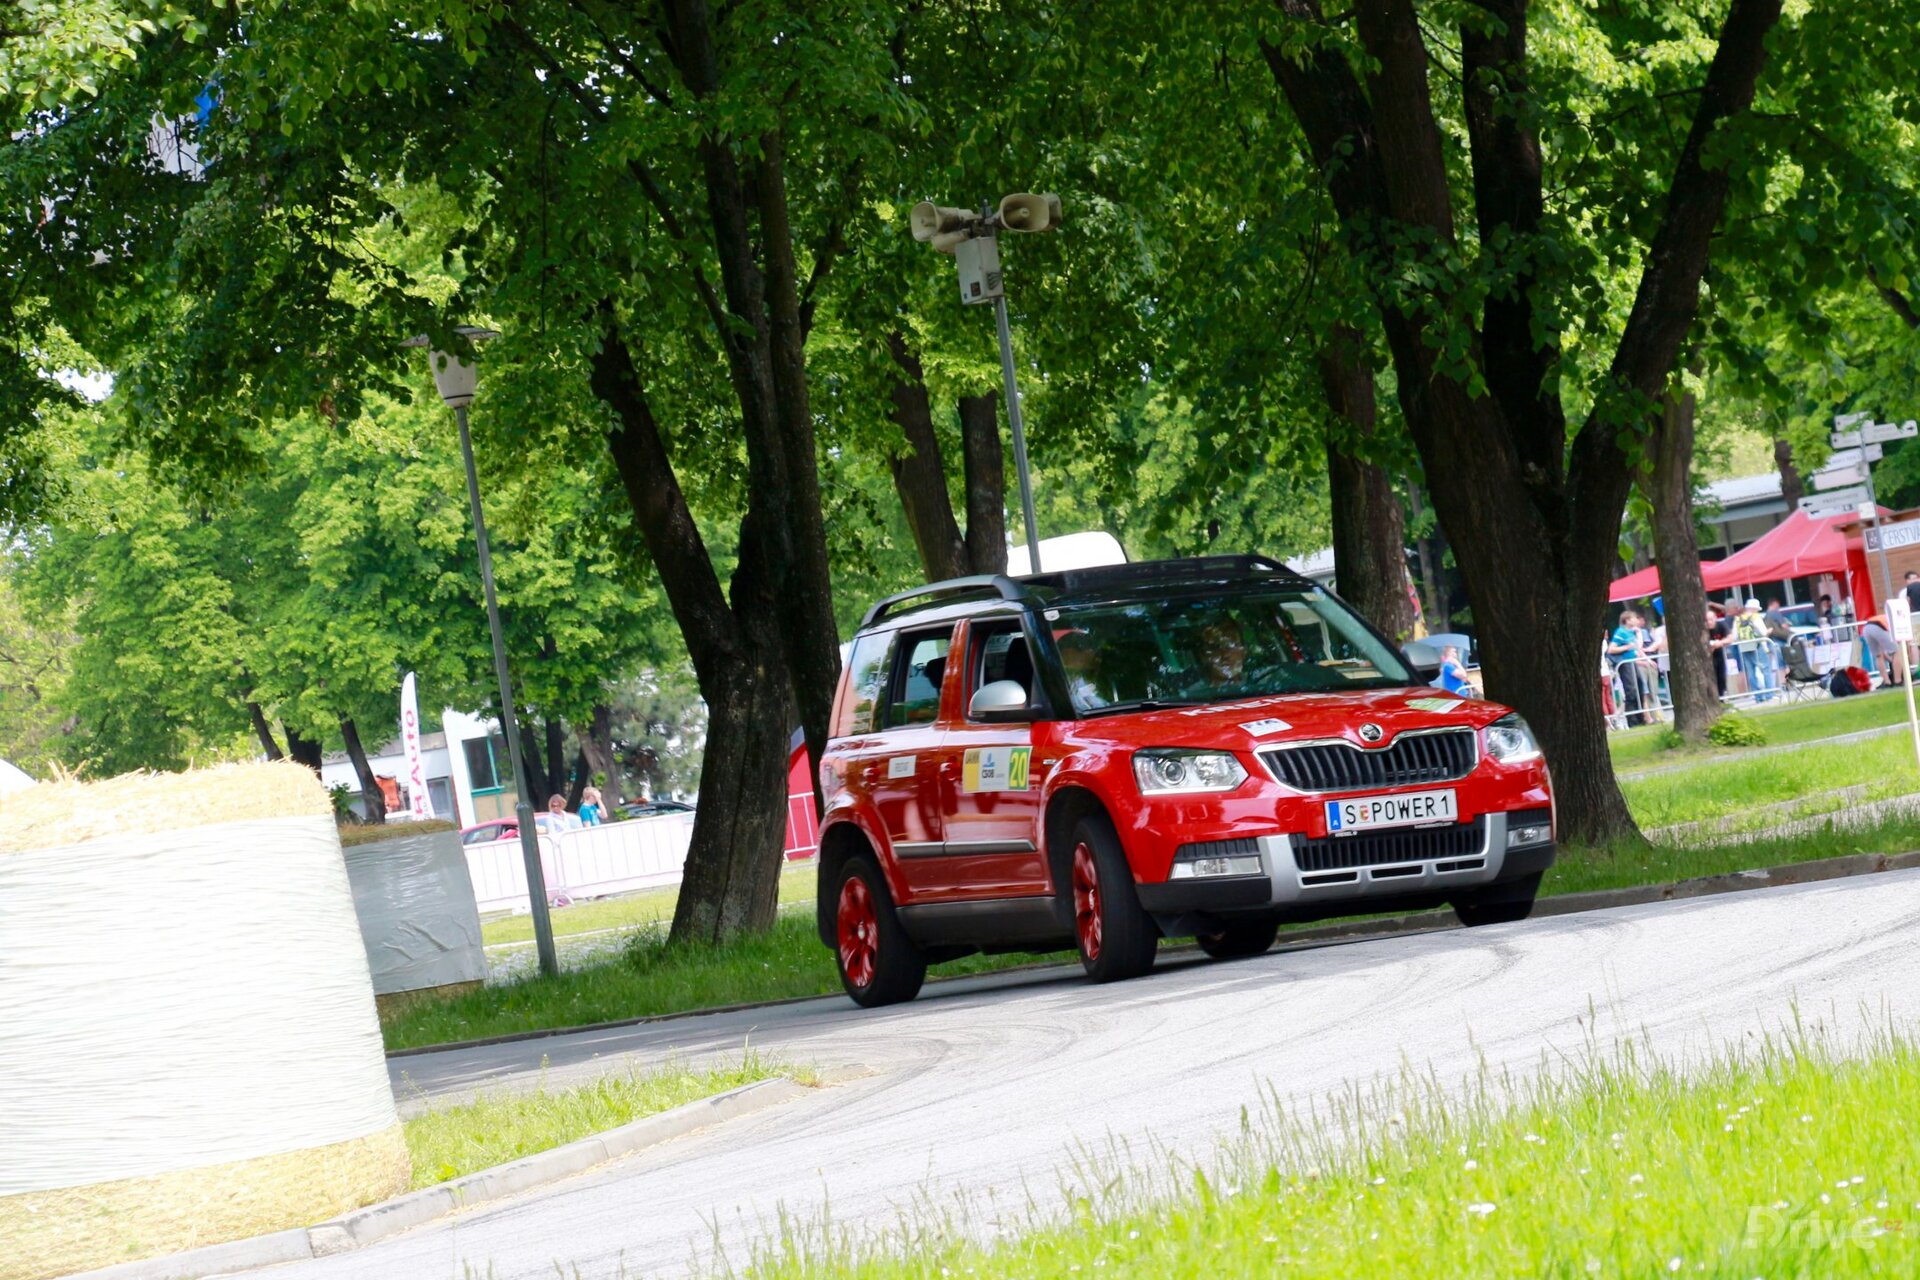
[1413, 808]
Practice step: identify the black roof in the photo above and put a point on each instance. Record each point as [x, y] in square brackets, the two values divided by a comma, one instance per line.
[1072, 585]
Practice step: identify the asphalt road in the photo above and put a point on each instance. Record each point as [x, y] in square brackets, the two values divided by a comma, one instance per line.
[997, 1087]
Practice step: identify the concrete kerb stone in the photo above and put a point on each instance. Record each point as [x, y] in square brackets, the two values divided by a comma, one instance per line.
[391, 1217]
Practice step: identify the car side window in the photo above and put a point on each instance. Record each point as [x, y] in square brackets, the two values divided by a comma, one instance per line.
[866, 683]
[1000, 653]
[920, 665]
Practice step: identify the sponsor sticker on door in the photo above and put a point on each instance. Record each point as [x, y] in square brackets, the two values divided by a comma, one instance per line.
[1414, 808]
[902, 766]
[995, 769]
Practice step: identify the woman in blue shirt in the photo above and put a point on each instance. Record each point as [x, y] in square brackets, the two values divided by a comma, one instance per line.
[1453, 675]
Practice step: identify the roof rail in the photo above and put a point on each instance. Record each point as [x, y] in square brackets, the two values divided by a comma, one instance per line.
[1181, 567]
[1005, 587]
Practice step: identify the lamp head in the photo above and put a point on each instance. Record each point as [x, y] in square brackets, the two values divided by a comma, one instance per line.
[454, 377]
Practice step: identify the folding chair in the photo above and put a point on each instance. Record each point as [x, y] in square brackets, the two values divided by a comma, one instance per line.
[1801, 683]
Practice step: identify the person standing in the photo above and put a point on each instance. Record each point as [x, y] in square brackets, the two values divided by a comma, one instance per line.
[1719, 636]
[1453, 673]
[590, 809]
[1755, 650]
[1623, 647]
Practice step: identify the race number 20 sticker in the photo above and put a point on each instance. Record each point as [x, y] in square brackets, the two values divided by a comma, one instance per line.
[995, 769]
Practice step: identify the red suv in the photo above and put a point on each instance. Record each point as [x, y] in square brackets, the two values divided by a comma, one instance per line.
[1105, 757]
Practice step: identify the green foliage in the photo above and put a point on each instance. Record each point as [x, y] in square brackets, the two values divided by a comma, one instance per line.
[1668, 739]
[1734, 730]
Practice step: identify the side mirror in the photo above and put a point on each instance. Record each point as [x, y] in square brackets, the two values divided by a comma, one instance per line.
[1423, 658]
[1001, 702]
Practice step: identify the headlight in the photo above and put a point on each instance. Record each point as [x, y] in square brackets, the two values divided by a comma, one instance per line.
[1510, 741]
[1170, 772]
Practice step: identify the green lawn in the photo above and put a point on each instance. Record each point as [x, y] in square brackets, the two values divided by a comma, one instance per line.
[1730, 785]
[1825, 718]
[653, 907]
[465, 1137]
[1791, 1162]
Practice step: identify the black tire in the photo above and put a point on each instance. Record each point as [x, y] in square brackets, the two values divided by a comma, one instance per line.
[878, 963]
[1239, 939]
[1503, 904]
[1115, 935]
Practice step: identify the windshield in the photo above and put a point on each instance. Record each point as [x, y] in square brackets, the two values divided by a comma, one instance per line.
[1188, 650]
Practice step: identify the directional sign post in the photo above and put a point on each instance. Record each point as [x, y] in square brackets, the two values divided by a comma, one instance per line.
[1834, 478]
[1850, 430]
[1900, 622]
[1819, 505]
[1881, 433]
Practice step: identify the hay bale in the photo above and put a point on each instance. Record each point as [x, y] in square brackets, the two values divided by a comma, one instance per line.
[188, 1044]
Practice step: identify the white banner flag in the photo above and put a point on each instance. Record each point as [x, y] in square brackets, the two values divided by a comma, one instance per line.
[419, 801]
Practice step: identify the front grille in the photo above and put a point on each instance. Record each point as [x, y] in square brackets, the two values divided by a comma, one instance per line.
[1402, 844]
[1409, 760]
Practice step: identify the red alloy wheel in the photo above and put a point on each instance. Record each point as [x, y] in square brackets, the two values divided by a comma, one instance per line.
[1086, 900]
[859, 932]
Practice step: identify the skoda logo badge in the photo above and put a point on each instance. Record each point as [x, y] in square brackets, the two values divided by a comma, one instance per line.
[1370, 733]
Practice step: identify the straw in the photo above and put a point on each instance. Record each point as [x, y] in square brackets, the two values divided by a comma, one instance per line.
[55, 814]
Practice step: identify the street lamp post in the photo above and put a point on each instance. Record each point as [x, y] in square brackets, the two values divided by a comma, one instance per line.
[456, 380]
[973, 240]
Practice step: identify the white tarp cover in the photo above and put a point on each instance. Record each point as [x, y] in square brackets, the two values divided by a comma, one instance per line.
[182, 998]
[13, 777]
[414, 898]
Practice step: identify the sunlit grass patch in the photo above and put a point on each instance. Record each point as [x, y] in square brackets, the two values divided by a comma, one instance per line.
[465, 1137]
[1825, 718]
[1789, 1160]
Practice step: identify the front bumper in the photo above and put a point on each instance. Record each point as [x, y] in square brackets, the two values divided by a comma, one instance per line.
[1284, 888]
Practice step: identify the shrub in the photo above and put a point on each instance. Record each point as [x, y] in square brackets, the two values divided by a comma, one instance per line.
[1669, 739]
[1732, 730]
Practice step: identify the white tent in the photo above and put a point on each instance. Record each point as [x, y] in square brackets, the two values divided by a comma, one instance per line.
[13, 778]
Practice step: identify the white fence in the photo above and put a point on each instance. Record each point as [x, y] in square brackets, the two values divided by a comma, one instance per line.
[640, 853]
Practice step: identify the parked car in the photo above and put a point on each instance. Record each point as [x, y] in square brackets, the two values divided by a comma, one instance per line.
[651, 808]
[495, 829]
[1100, 758]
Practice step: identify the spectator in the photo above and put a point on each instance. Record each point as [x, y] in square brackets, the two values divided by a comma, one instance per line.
[1624, 647]
[1755, 651]
[1453, 673]
[1719, 636]
[1913, 590]
[1823, 617]
[591, 814]
[1879, 645]
[558, 819]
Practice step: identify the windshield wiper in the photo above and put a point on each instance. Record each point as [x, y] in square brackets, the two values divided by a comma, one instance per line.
[1142, 704]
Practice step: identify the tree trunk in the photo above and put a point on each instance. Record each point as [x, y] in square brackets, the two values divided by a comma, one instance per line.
[370, 792]
[1533, 518]
[556, 735]
[1369, 529]
[984, 462]
[596, 753]
[577, 787]
[302, 750]
[1431, 604]
[264, 731]
[731, 882]
[1696, 699]
[1792, 486]
[919, 474]
[732, 879]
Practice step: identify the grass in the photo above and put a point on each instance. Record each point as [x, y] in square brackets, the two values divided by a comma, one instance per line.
[630, 911]
[454, 1141]
[650, 979]
[1885, 766]
[1788, 1160]
[1826, 718]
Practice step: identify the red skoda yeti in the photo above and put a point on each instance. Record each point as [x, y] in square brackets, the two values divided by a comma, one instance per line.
[1105, 757]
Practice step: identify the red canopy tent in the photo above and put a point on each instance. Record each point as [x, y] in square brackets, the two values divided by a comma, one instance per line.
[1641, 582]
[1798, 547]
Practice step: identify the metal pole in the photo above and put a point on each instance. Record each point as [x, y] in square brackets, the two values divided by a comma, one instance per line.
[1886, 571]
[522, 809]
[1019, 432]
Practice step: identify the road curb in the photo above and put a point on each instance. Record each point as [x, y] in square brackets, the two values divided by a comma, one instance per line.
[391, 1217]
